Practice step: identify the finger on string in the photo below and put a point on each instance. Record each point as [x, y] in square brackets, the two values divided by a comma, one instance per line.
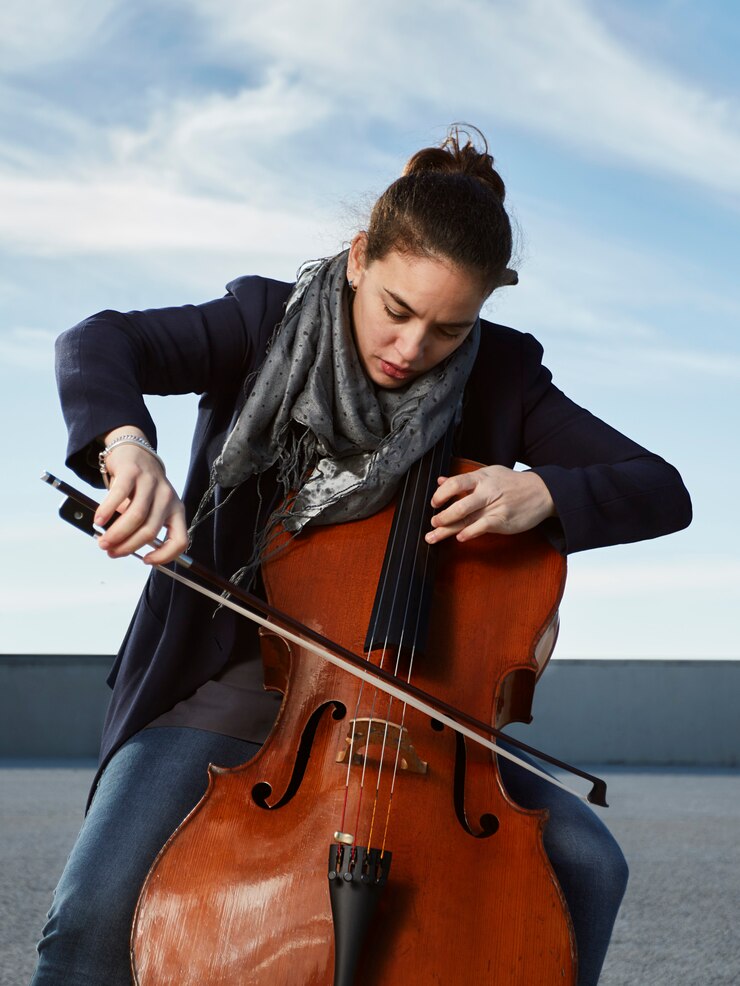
[466, 505]
[471, 531]
[454, 528]
[440, 533]
[463, 531]
[453, 486]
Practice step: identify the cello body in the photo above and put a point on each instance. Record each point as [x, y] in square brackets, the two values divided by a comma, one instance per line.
[239, 896]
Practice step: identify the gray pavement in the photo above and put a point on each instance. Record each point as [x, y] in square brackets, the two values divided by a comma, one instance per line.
[679, 828]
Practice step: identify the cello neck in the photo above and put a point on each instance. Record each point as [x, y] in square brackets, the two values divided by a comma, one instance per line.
[401, 611]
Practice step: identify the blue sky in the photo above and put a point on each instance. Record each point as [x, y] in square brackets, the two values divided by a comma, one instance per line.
[150, 152]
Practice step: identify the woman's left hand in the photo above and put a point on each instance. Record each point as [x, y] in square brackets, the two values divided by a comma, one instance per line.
[491, 500]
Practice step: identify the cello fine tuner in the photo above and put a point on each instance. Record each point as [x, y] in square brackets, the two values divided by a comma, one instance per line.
[344, 838]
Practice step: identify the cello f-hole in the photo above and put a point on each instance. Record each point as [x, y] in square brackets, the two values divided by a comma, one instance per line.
[263, 789]
[488, 822]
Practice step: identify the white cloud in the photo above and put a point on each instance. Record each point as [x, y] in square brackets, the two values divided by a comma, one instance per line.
[224, 173]
[40, 32]
[576, 293]
[550, 68]
[231, 145]
[51, 215]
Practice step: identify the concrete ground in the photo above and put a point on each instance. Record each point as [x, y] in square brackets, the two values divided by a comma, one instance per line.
[679, 828]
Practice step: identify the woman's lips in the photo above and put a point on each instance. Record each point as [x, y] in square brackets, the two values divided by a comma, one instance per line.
[391, 370]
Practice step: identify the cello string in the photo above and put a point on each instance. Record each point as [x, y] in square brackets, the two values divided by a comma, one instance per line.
[404, 705]
[403, 498]
[367, 654]
[434, 467]
[415, 519]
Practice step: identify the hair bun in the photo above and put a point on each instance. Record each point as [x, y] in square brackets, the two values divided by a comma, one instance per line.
[449, 204]
[455, 157]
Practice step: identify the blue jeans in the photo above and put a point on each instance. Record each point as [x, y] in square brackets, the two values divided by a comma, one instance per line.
[144, 793]
[86, 939]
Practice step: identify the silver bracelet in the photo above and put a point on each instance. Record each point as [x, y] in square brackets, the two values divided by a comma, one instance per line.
[126, 440]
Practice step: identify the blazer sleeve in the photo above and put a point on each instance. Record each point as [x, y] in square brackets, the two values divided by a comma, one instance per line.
[607, 489]
[106, 364]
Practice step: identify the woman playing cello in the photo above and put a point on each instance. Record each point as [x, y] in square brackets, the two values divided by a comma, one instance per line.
[332, 388]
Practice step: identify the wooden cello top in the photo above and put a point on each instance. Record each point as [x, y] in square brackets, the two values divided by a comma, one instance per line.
[241, 892]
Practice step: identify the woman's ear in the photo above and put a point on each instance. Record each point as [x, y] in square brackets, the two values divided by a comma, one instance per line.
[356, 259]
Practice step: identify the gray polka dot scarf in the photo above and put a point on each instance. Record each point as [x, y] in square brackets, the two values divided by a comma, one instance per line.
[336, 438]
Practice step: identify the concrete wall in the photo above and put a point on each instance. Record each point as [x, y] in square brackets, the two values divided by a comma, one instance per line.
[52, 705]
[631, 712]
[638, 712]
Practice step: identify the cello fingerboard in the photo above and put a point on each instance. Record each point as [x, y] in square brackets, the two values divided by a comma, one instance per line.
[401, 610]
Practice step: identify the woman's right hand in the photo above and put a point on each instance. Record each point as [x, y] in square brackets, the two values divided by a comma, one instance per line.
[146, 501]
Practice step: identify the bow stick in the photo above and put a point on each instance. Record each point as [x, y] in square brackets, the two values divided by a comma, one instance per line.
[79, 510]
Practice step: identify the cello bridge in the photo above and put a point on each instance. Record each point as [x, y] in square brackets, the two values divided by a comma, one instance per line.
[389, 736]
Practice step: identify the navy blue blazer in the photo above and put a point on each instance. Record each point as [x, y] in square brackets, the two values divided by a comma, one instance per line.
[606, 488]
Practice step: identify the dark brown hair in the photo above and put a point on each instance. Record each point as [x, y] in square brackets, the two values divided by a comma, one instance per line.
[449, 203]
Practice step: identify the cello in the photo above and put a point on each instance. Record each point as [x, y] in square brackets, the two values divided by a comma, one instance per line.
[364, 834]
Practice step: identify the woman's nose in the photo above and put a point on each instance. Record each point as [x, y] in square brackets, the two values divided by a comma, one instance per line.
[411, 343]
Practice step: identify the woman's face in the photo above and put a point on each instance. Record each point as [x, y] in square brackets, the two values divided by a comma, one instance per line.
[409, 313]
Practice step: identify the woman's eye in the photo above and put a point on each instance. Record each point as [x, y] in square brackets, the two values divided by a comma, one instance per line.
[396, 316]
